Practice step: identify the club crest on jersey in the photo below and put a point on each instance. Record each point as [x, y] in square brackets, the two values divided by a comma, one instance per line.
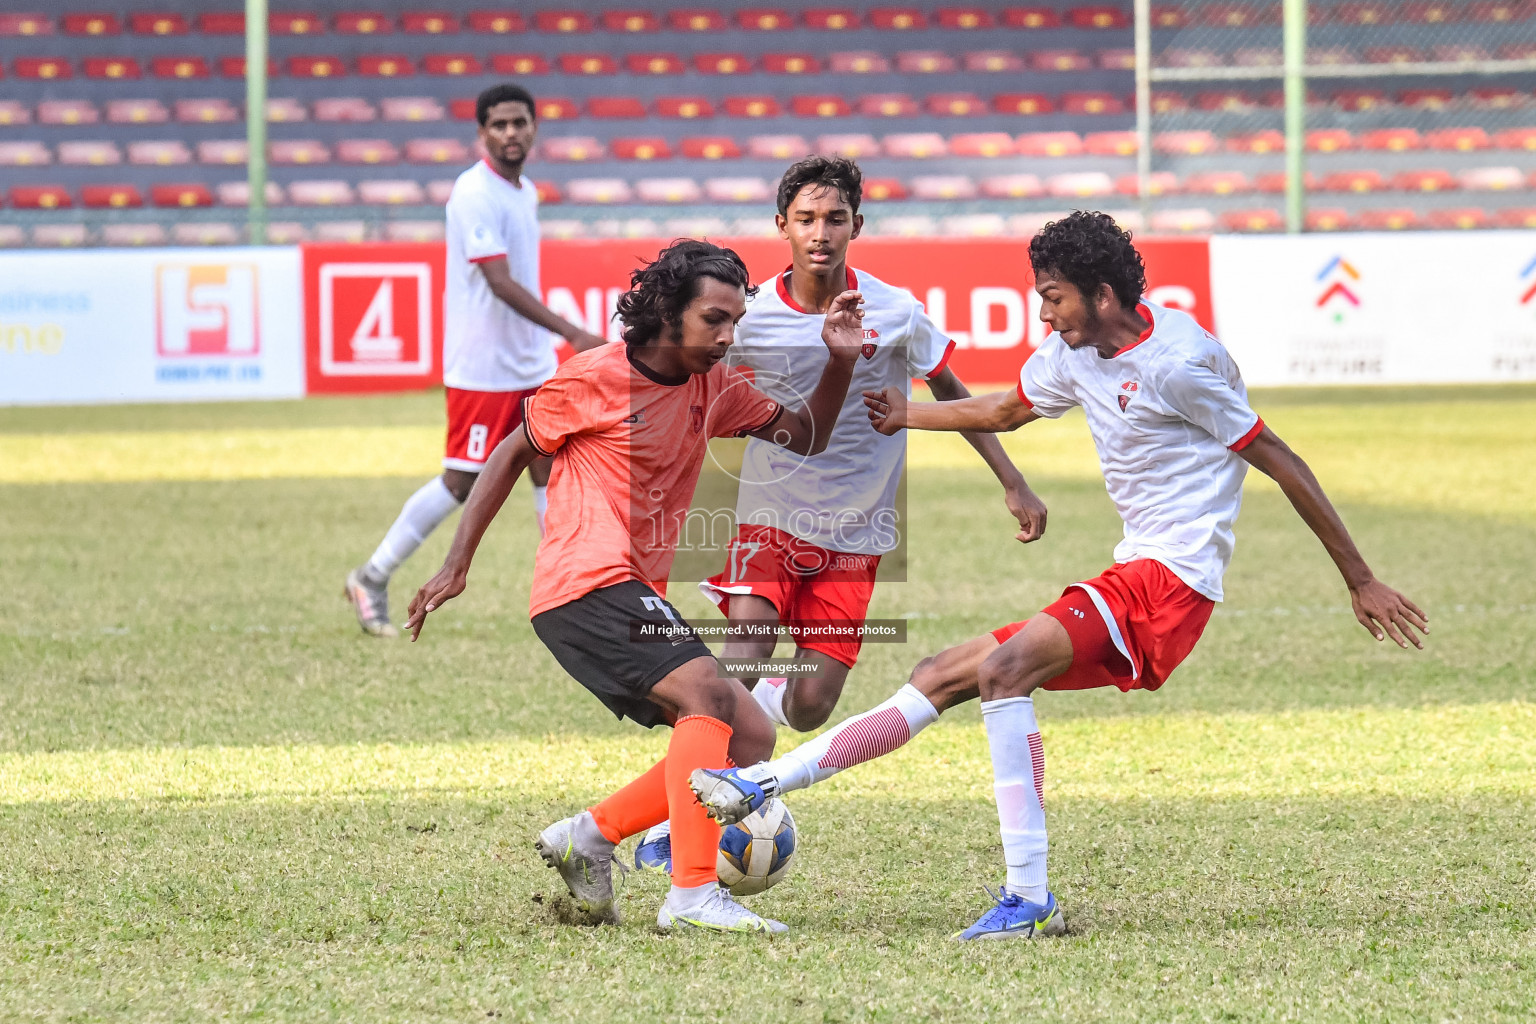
[868, 347]
[696, 418]
[1128, 389]
[636, 417]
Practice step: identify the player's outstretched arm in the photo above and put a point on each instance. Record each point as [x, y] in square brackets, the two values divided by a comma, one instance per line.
[889, 411]
[527, 305]
[1022, 502]
[506, 464]
[1380, 609]
[806, 430]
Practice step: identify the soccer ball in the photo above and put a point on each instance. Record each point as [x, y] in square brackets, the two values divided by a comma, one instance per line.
[755, 853]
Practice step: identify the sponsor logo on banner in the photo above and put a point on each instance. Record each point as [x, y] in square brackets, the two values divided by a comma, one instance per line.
[1336, 277]
[207, 324]
[375, 319]
[1515, 353]
[1339, 344]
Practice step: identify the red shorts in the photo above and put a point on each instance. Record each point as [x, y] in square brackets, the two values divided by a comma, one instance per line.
[477, 422]
[1144, 622]
[813, 589]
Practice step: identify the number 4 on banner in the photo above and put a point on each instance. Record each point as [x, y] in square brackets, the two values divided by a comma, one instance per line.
[375, 339]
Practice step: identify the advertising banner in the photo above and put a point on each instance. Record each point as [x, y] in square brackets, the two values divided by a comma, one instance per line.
[1378, 308]
[149, 326]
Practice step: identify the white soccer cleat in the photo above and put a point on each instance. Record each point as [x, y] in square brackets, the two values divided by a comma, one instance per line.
[371, 602]
[727, 795]
[716, 912]
[585, 864]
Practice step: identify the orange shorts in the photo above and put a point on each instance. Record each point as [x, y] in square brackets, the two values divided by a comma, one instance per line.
[809, 585]
[1130, 627]
[477, 422]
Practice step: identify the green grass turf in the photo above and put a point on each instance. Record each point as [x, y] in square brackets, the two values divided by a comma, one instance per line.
[218, 800]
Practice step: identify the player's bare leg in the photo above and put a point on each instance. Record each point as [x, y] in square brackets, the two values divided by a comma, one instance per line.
[803, 700]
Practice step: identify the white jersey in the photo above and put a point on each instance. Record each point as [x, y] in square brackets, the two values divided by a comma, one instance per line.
[843, 499]
[487, 346]
[1168, 415]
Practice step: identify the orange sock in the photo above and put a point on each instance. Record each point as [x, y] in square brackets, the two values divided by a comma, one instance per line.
[697, 742]
[636, 807]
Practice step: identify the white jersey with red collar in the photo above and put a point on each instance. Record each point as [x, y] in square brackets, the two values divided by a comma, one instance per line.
[843, 499]
[1168, 415]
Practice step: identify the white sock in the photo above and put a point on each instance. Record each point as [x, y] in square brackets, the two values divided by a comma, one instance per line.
[1018, 776]
[540, 505]
[681, 897]
[769, 694]
[422, 513]
[861, 738]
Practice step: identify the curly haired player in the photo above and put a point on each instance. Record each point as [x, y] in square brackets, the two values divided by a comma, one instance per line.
[1175, 435]
[627, 428]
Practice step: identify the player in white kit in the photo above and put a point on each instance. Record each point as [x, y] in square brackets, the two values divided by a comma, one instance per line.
[1175, 435]
[496, 337]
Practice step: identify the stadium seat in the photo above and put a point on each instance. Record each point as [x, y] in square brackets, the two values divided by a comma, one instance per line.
[24, 154]
[1257, 57]
[765, 19]
[1364, 180]
[914, 145]
[366, 151]
[362, 23]
[1080, 185]
[1430, 180]
[1011, 186]
[991, 61]
[598, 190]
[778, 147]
[1397, 140]
[902, 19]
[887, 104]
[615, 108]
[630, 21]
[234, 67]
[738, 190]
[1159, 183]
[1516, 138]
[548, 192]
[655, 64]
[1218, 183]
[321, 192]
[571, 149]
[45, 69]
[67, 112]
[1329, 140]
[89, 154]
[316, 66]
[1184, 57]
[685, 108]
[345, 109]
[429, 23]
[551, 108]
[1185, 143]
[1092, 103]
[858, 62]
[110, 197]
[984, 144]
[92, 23]
[438, 191]
[912, 225]
[942, 187]
[299, 152]
[963, 17]
[1269, 141]
[823, 105]
[209, 111]
[1059, 60]
[11, 235]
[294, 23]
[955, 104]
[1185, 221]
[1392, 55]
[924, 62]
[436, 151]
[1517, 51]
[1371, 12]
[411, 108]
[696, 20]
[668, 190]
[1234, 15]
[710, 147]
[398, 65]
[1492, 179]
[884, 190]
[562, 228]
[1231, 101]
[221, 23]
[587, 64]
[1433, 12]
[166, 153]
[1111, 143]
[1025, 103]
[1050, 144]
[1165, 102]
[751, 106]
[1496, 97]
[563, 22]
[790, 64]
[1331, 54]
[158, 23]
[1260, 219]
[1116, 60]
[1274, 181]
[721, 63]
[12, 112]
[1426, 99]
[1169, 16]
[391, 192]
[60, 235]
[1328, 219]
[185, 66]
[137, 112]
[1498, 11]
[834, 19]
[519, 64]
[206, 233]
[112, 68]
[853, 146]
[1459, 139]
[415, 230]
[1454, 52]
[133, 234]
[652, 147]
[1458, 218]
[222, 151]
[181, 196]
[1390, 218]
[238, 193]
[973, 225]
[30, 23]
[1516, 217]
[40, 197]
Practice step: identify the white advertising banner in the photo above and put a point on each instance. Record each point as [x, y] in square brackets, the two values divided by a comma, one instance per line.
[158, 325]
[1399, 308]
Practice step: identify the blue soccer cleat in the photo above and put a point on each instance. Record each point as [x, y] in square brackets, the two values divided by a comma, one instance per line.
[1013, 918]
[655, 851]
[725, 794]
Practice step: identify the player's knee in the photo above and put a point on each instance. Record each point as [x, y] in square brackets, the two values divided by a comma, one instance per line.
[459, 484]
[944, 679]
[1001, 675]
[752, 735]
[809, 707]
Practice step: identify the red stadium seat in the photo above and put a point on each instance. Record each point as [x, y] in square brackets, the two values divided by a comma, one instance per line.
[710, 147]
[984, 144]
[898, 18]
[180, 67]
[1185, 221]
[668, 190]
[182, 196]
[1454, 52]
[67, 112]
[234, 67]
[915, 145]
[1234, 15]
[1253, 220]
[1191, 58]
[652, 147]
[548, 191]
[833, 19]
[1059, 60]
[223, 152]
[563, 22]
[1426, 99]
[168, 153]
[1430, 180]
[93, 23]
[286, 110]
[1164, 102]
[362, 23]
[367, 151]
[1257, 57]
[298, 152]
[1499, 11]
[1218, 183]
[294, 23]
[1359, 99]
[12, 112]
[992, 61]
[884, 189]
[790, 64]
[1099, 16]
[854, 146]
[887, 104]
[29, 24]
[1462, 140]
[1397, 140]
[436, 151]
[1491, 179]
[955, 104]
[1185, 143]
[587, 64]
[655, 64]
[60, 235]
[1230, 101]
[43, 68]
[500, 23]
[598, 191]
[1269, 141]
[722, 63]
[221, 23]
[1434, 12]
[1392, 55]
[696, 20]
[630, 21]
[519, 64]
[738, 190]
[752, 106]
[1031, 17]
[1363, 12]
[41, 197]
[858, 62]
[111, 68]
[238, 193]
[765, 19]
[395, 65]
[922, 62]
[1388, 218]
[89, 154]
[571, 149]
[616, 107]
[1274, 181]
[428, 23]
[1122, 143]
[684, 107]
[1328, 219]
[1051, 144]
[1516, 217]
[1011, 186]
[1518, 51]
[1329, 140]
[554, 108]
[1354, 181]
[1092, 103]
[158, 23]
[110, 197]
[24, 154]
[1022, 103]
[316, 66]
[137, 112]
[1516, 138]
[325, 192]
[777, 147]
[1116, 60]
[819, 105]
[1169, 16]
[963, 17]
[1458, 218]
[1331, 54]
[943, 187]
[1080, 185]
[1159, 183]
[210, 111]
[391, 192]
[1496, 97]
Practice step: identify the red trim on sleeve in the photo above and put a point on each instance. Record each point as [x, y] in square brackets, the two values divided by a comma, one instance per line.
[1023, 397]
[1247, 439]
[487, 259]
[949, 350]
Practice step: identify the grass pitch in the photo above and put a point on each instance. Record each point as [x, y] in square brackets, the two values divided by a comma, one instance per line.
[217, 799]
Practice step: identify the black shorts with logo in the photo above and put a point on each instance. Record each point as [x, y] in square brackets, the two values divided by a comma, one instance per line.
[600, 639]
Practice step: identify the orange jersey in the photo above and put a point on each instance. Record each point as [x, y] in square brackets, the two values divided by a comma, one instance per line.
[628, 447]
